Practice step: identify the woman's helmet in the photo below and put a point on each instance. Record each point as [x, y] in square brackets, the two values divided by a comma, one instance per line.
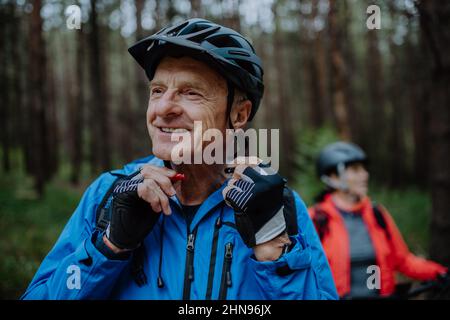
[338, 154]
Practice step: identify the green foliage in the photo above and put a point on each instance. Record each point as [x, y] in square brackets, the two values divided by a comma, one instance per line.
[411, 210]
[28, 228]
[310, 142]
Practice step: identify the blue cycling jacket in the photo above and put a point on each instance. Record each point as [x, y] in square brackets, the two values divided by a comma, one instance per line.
[216, 265]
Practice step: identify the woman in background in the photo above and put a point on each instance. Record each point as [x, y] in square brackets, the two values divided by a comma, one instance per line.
[356, 233]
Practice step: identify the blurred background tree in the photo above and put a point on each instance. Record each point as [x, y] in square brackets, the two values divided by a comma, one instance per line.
[73, 104]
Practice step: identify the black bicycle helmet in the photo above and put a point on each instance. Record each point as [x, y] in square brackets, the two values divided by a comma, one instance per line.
[339, 152]
[222, 48]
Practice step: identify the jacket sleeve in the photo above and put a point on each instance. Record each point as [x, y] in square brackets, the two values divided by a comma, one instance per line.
[74, 268]
[407, 263]
[302, 273]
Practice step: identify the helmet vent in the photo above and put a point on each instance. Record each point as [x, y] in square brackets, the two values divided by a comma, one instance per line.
[174, 31]
[200, 35]
[224, 41]
[239, 53]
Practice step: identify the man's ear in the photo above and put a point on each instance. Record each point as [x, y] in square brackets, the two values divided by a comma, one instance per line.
[240, 114]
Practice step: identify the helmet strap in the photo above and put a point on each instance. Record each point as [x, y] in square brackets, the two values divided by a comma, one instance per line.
[341, 184]
[230, 100]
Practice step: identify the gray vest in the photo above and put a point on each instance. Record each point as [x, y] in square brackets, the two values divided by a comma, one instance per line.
[362, 255]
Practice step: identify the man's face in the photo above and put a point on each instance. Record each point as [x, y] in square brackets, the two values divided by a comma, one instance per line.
[182, 91]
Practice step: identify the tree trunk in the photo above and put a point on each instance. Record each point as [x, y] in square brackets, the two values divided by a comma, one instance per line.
[52, 141]
[171, 11]
[196, 9]
[394, 167]
[75, 107]
[78, 127]
[435, 25]
[315, 63]
[99, 117]
[339, 74]
[129, 119]
[265, 114]
[232, 18]
[354, 113]
[37, 102]
[134, 120]
[20, 113]
[418, 101]
[287, 132]
[5, 30]
[375, 90]
[139, 4]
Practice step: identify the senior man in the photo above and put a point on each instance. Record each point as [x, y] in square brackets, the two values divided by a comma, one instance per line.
[157, 229]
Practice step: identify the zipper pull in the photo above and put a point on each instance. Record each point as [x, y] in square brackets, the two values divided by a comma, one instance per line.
[218, 222]
[228, 278]
[190, 249]
[191, 273]
[160, 282]
[228, 257]
[190, 244]
[229, 251]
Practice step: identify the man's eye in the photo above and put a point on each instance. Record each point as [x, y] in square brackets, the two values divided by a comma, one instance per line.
[192, 93]
[156, 91]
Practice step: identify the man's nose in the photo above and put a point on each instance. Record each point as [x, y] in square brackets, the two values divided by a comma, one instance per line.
[167, 105]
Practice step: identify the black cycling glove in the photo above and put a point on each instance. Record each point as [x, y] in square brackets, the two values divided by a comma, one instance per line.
[132, 218]
[257, 199]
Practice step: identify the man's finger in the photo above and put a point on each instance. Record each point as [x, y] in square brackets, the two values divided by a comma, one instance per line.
[148, 169]
[148, 191]
[163, 201]
[227, 189]
[238, 173]
[242, 161]
[161, 198]
[164, 183]
[247, 161]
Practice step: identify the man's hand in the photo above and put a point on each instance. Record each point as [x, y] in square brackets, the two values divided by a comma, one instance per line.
[256, 195]
[273, 249]
[136, 207]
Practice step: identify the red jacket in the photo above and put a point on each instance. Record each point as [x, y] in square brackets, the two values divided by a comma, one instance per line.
[391, 254]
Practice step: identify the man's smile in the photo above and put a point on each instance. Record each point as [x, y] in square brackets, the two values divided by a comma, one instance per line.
[172, 130]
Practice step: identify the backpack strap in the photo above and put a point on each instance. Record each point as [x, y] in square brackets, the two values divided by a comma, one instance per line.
[320, 220]
[290, 211]
[102, 214]
[381, 221]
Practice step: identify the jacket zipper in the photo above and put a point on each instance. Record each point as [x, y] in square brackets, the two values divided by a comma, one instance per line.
[212, 263]
[226, 282]
[189, 269]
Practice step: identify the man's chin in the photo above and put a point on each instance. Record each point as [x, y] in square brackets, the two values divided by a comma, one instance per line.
[163, 153]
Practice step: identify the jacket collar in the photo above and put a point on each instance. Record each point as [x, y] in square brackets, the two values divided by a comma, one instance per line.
[359, 207]
[214, 199]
